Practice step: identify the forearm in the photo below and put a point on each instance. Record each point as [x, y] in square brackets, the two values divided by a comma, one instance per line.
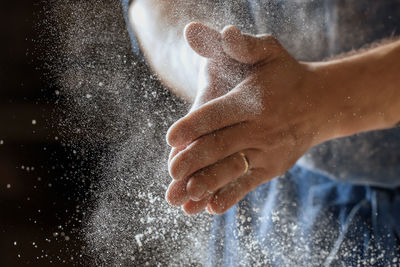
[367, 89]
[159, 26]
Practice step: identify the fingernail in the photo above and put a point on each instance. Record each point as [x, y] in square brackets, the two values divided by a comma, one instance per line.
[210, 210]
[213, 211]
[186, 213]
[196, 191]
[196, 198]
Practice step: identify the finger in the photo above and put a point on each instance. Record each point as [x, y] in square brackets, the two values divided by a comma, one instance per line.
[231, 194]
[219, 113]
[208, 93]
[220, 174]
[210, 149]
[194, 207]
[174, 152]
[176, 194]
[204, 40]
[246, 48]
[208, 209]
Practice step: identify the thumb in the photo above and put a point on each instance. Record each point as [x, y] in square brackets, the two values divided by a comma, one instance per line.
[204, 40]
[247, 48]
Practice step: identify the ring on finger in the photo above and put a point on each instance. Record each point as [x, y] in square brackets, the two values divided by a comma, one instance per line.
[246, 162]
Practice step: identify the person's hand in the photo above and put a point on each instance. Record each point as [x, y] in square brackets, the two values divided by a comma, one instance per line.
[277, 111]
[219, 74]
[269, 116]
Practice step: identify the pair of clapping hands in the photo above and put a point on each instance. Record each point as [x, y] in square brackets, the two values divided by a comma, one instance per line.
[257, 111]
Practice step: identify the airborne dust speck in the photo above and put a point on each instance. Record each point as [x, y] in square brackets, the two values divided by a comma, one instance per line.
[105, 91]
[114, 102]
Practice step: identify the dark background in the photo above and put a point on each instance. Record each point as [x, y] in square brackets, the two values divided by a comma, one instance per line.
[42, 185]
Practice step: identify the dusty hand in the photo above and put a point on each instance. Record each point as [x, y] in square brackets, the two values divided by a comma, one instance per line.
[264, 107]
[219, 74]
